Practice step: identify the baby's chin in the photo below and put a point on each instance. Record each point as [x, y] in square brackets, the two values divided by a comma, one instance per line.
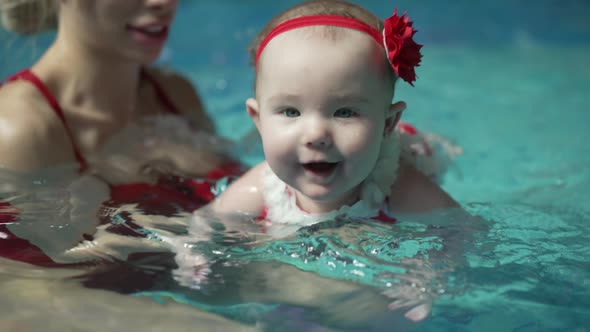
[315, 198]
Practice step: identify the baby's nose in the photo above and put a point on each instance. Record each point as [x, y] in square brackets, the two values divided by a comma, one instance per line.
[318, 135]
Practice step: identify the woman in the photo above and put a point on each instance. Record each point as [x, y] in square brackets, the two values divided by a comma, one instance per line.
[68, 108]
[87, 101]
[93, 80]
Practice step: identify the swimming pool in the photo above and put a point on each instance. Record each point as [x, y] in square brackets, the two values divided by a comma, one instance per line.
[505, 80]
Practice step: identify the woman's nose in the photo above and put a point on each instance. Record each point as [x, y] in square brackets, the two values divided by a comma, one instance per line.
[162, 5]
[317, 134]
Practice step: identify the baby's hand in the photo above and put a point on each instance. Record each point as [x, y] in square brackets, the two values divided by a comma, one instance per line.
[410, 296]
[412, 293]
[193, 268]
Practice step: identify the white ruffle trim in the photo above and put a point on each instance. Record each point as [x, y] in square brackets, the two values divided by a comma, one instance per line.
[282, 205]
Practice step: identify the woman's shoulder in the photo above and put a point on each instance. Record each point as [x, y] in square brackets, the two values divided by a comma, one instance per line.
[19, 93]
[23, 109]
[182, 93]
[27, 123]
[414, 192]
[172, 80]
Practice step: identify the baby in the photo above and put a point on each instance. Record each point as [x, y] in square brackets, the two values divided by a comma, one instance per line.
[333, 144]
[325, 75]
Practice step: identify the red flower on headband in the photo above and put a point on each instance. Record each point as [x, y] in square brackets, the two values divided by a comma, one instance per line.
[402, 51]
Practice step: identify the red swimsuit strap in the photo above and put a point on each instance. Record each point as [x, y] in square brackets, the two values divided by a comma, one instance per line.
[29, 76]
[162, 96]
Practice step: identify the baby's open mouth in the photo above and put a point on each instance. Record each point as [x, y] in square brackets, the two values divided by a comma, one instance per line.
[320, 168]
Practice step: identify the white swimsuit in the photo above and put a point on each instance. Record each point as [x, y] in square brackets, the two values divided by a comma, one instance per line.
[281, 207]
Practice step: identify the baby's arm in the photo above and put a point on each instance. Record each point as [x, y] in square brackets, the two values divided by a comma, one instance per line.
[244, 196]
[240, 201]
[414, 192]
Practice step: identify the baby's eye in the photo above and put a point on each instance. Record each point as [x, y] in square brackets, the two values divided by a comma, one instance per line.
[344, 113]
[291, 112]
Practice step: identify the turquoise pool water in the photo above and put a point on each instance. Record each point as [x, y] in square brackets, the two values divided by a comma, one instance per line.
[505, 80]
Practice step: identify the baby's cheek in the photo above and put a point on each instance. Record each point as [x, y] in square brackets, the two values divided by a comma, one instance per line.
[275, 151]
[360, 143]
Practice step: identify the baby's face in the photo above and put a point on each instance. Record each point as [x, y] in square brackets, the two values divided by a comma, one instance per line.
[323, 104]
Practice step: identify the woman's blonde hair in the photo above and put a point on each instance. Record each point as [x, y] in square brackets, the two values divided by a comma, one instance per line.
[28, 16]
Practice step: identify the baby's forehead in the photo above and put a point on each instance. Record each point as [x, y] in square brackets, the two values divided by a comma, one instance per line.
[315, 55]
[324, 38]
[310, 65]
[302, 46]
[325, 33]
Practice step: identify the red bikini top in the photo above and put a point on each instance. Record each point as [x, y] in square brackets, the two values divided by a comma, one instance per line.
[29, 76]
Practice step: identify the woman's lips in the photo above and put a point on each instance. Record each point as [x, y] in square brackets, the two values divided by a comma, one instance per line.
[320, 168]
[150, 34]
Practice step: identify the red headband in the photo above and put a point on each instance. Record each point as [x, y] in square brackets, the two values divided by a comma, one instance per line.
[401, 50]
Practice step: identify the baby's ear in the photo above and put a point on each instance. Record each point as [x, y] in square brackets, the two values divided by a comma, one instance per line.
[393, 116]
[252, 109]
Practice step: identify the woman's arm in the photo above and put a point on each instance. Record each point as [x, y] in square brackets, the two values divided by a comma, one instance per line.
[54, 301]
